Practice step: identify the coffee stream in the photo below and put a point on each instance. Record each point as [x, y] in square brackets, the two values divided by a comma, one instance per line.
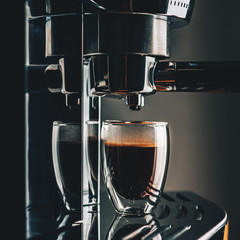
[131, 168]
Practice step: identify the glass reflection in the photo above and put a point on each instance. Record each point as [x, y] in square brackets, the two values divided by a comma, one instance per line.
[66, 227]
[91, 223]
[71, 228]
[128, 227]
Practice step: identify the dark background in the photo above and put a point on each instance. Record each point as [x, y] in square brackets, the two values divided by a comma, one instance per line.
[12, 203]
[204, 127]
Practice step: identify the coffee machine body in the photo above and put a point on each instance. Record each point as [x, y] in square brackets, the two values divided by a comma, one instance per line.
[81, 51]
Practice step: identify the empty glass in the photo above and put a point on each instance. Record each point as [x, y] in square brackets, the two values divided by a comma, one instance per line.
[135, 161]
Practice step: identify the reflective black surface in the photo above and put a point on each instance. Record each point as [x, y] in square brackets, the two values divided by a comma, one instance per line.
[179, 215]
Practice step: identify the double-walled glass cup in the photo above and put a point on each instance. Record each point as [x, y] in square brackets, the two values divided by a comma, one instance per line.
[78, 181]
[135, 161]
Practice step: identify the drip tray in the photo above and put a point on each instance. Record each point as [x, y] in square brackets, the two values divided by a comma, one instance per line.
[178, 215]
[185, 215]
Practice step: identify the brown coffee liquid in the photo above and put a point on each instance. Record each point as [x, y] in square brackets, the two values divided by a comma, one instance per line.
[130, 168]
[69, 161]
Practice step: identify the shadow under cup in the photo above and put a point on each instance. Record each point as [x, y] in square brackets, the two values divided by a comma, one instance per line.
[135, 161]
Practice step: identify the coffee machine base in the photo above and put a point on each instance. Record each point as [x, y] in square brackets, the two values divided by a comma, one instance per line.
[178, 215]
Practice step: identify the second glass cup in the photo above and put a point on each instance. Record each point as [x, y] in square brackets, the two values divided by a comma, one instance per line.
[135, 161]
[77, 190]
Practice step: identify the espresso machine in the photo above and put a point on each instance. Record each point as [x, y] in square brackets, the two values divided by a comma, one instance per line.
[79, 51]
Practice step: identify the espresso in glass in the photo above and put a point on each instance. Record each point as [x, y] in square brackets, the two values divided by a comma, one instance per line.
[77, 178]
[135, 164]
[132, 166]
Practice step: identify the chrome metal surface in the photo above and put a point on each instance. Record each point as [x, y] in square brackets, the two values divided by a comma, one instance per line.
[121, 75]
[108, 33]
[220, 76]
[126, 33]
[178, 11]
[135, 102]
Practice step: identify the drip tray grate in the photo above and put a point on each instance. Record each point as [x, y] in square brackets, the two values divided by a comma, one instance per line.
[185, 215]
